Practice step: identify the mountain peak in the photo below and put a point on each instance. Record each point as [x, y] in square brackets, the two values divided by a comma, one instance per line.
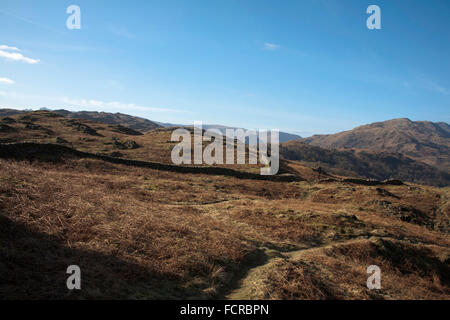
[420, 140]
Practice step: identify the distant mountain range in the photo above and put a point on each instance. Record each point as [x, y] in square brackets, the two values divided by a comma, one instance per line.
[283, 136]
[135, 123]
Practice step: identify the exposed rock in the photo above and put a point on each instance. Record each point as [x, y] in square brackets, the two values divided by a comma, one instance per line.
[33, 126]
[82, 127]
[126, 130]
[116, 154]
[386, 193]
[393, 182]
[8, 120]
[129, 144]
[61, 140]
[6, 128]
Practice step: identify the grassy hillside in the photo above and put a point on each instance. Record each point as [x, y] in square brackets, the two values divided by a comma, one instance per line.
[125, 120]
[142, 233]
[380, 165]
[423, 141]
[156, 145]
[96, 137]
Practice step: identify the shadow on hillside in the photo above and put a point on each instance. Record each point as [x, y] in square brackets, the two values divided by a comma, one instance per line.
[33, 266]
[53, 152]
[255, 259]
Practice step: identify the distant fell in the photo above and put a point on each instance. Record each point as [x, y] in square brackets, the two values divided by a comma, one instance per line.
[125, 120]
[135, 123]
[424, 141]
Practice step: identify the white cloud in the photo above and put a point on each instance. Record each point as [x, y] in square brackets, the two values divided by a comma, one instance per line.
[17, 57]
[438, 88]
[122, 32]
[37, 101]
[6, 81]
[5, 47]
[114, 84]
[270, 46]
[103, 105]
[5, 52]
[434, 86]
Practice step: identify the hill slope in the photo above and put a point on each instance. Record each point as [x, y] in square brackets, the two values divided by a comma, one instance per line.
[135, 123]
[139, 232]
[95, 137]
[283, 136]
[372, 165]
[424, 141]
[155, 145]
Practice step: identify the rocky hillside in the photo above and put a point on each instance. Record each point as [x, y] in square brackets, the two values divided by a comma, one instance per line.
[372, 165]
[424, 141]
[135, 123]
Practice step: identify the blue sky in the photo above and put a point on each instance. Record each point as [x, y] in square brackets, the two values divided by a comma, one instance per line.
[305, 66]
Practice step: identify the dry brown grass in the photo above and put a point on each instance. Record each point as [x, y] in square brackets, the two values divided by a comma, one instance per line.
[145, 234]
[408, 271]
[142, 233]
[94, 137]
[107, 214]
